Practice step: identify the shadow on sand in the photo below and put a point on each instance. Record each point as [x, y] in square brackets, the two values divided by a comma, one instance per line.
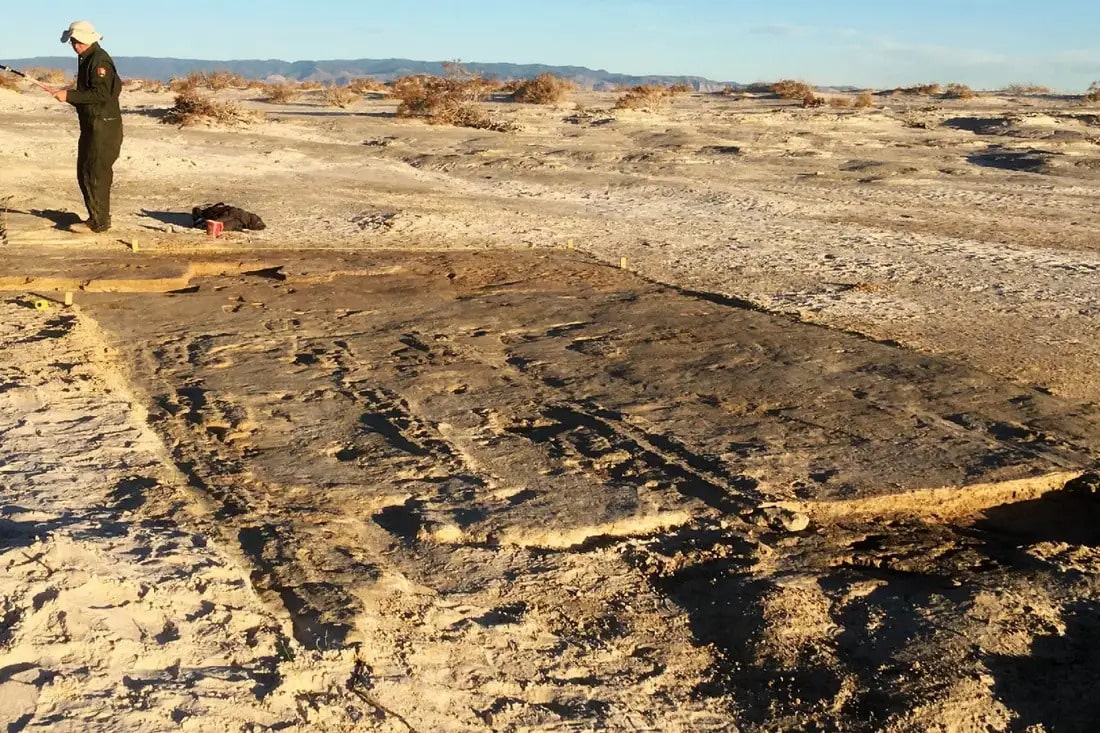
[886, 598]
[1022, 161]
[175, 218]
[59, 219]
[1053, 687]
[329, 113]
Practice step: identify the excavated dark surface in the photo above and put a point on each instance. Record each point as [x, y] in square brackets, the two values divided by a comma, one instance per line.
[496, 426]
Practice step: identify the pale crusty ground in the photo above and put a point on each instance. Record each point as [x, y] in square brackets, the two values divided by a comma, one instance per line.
[560, 513]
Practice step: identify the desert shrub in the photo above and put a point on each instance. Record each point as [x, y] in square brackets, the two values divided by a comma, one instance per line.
[864, 100]
[681, 88]
[761, 87]
[9, 81]
[219, 80]
[450, 101]
[409, 85]
[191, 108]
[470, 89]
[1093, 94]
[365, 84]
[455, 72]
[338, 96]
[792, 89]
[153, 86]
[840, 102]
[311, 85]
[646, 96]
[186, 84]
[958, 91]
[812, 100]
[280, 93]
[1019, 89]
[543, 89]
[921, 90]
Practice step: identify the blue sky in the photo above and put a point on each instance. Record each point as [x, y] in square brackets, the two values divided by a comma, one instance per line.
[984, 43]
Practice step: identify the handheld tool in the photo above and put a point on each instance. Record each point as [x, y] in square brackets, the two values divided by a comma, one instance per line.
[31, 79]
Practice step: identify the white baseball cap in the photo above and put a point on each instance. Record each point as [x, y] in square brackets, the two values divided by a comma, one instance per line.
[82, 31]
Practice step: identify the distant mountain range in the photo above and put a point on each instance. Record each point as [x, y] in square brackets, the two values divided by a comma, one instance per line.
[339, 72]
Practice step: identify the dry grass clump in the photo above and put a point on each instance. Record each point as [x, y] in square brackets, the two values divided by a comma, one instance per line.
[1021, 89]
[338, 96]
[761, 87]
[451, 101]
[863, 100]
[681, 88]
[812, 100]
[219, 80]
[921, 90]
[365, 85]
[192, 108]
[10, 82]
[186, 84]
[646, 96]
[50, 77]
[280, 93]
[214, 81]
[792, 89]
[153, 86]
[1093, 94]
[543, 89]
[959, 91]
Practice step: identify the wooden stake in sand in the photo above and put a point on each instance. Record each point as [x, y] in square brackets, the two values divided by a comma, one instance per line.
[68, 298]
[622, 263]
[134, 245]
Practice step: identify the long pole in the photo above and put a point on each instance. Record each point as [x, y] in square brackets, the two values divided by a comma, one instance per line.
[31, 79]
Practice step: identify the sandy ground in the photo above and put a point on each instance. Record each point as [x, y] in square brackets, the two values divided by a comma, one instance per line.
[424, 455]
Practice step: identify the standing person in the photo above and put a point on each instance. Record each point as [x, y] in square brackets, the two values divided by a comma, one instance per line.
[96, 101]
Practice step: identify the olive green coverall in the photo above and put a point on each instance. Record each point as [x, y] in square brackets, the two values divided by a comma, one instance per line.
[96, 100]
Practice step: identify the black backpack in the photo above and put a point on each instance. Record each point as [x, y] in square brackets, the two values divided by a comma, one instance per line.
[231, 217]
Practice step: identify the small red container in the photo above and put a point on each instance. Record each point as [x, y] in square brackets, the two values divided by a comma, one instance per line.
[214, 228]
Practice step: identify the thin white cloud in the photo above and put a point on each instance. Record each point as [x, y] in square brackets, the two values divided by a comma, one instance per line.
[787, 30]
[1077, 62]
[918, 53]
[1069, 69]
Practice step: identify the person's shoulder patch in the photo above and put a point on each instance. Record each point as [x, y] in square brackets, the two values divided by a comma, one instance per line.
[102, 71]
